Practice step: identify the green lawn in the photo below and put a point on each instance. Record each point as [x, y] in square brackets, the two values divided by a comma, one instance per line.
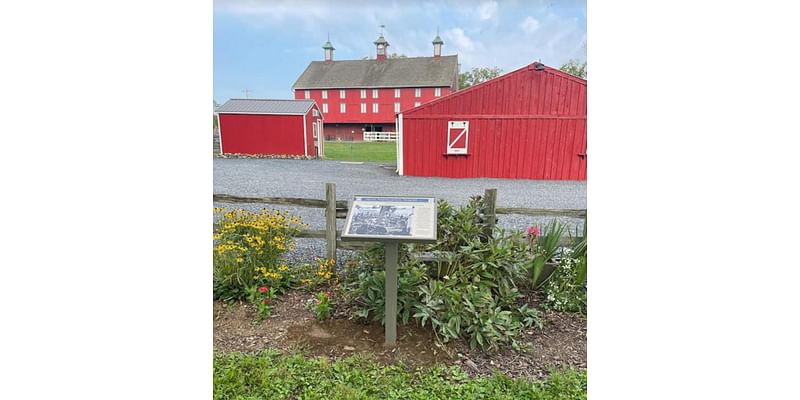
[269, 375]
[382, 152]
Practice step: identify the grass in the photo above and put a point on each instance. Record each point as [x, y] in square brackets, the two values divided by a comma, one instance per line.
[270, 375]
[361, 151]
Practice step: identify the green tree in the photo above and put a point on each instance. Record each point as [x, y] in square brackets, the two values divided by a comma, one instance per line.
[477, 75]
[216, 105]
[575, 67]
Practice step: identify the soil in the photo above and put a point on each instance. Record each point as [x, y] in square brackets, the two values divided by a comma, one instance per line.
[561, 343]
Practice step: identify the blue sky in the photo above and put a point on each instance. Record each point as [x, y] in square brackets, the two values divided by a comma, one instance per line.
[263, 46]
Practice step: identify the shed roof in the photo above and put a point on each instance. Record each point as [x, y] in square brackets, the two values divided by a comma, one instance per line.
[266, 106]
[392, 72]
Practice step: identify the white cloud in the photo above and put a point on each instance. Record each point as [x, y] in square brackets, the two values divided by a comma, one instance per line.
[488, 10]
[459, 39]
[529, 25]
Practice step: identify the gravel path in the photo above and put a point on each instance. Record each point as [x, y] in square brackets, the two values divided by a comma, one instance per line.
[307, 178]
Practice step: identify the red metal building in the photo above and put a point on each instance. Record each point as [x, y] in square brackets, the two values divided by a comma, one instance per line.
[271, 127]
[358, 96]
[527, 124]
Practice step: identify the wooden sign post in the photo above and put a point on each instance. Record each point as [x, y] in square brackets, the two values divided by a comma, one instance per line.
[391, 220]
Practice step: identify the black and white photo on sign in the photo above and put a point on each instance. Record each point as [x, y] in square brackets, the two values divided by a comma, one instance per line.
[381, 220]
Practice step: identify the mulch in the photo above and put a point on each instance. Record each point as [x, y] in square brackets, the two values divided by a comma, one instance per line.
[561, 343]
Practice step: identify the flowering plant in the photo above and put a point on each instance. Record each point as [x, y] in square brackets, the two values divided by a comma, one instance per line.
[322, 306]
[247, 250]
[544, 246]
[262, 296]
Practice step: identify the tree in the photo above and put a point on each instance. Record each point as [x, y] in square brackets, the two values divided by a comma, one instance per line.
[575, 67]
[216, 105]
[477, 75]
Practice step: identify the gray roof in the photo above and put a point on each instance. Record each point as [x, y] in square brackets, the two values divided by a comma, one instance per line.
[266, 106]
[392, 72]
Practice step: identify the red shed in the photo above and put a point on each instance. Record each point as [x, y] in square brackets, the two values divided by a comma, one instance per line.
[527, 124]
[273, 127]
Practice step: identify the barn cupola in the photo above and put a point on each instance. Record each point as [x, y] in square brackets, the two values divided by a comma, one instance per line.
[328, 47]
[381, 44]
[437, 45]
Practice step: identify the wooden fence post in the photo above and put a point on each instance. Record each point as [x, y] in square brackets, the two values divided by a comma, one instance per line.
[330, 220]
[489, 204]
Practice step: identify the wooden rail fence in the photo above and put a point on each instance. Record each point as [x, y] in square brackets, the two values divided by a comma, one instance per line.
[337, 209]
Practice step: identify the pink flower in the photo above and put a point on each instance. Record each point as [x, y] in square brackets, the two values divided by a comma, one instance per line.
[534, 231]
[262, 289]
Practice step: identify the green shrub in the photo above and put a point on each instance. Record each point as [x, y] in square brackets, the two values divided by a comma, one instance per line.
[564, 291]
[247, 251]
[470, 291]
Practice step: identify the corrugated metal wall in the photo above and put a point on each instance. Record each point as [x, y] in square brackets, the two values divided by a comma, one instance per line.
[527, 124]
[262, 134]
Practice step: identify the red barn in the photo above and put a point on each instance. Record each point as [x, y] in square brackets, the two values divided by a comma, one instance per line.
[358, 96]
[527, 124]
[272, 127]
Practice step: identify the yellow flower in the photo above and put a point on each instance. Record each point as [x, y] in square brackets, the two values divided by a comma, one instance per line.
[238, 260]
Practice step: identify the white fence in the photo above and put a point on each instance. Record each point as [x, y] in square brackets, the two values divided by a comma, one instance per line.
[380, 136]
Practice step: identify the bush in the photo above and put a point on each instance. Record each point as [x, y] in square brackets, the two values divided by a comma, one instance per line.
[564, 291]
[471, 290]
[247, 251]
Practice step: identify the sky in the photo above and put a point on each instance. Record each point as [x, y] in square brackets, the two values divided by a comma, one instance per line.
[263, 46]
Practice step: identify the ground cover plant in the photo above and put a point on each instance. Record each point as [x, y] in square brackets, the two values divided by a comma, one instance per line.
[382, 152]
[270, 375]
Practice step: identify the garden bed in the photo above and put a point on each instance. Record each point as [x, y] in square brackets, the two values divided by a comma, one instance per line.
[561, 343]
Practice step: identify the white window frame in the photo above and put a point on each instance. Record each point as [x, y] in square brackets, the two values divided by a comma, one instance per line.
[416, 104]
[324, 108]
[397, 93]
[324, 94]
[397, 107]
[363, 108]
[374, 93]
[418, 92]
[307, 94]
[363, 93]
[455, 130]
[342, 93]
[437, 92]
[342, 108]
[374, 108]
[315, 112]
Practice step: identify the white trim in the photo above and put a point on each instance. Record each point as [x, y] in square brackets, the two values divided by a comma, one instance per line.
[397, 93]
[305, 135]
[306, 94]
[325, 94]
[321, 134]
[451, 125]
[417, 92]
[219, 127]
[400, 144]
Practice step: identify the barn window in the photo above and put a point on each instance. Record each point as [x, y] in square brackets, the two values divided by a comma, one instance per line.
[363, 108]
[417, 92]
[457, 137]
[397, 107]
[325, 108]
[341, 94]
[307, 93]
[437, 92]
[397, 93]
[342, 108]
[316, 112]
[324, 94]
[374, 93]
[416, 104]
[375, 108]
[363, 93]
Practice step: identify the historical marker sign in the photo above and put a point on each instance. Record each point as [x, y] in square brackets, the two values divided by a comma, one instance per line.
[384, 218]
[391, 220]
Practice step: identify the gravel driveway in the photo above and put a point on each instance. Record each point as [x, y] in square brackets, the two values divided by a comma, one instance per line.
[307, 178]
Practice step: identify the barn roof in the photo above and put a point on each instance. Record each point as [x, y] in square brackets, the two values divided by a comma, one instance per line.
[266, 106]
[392, 72]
